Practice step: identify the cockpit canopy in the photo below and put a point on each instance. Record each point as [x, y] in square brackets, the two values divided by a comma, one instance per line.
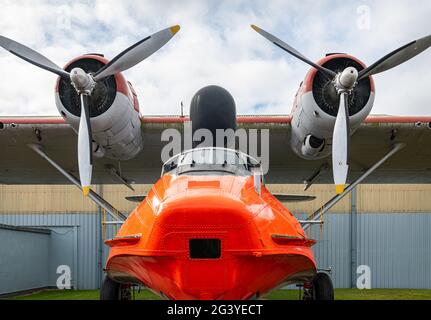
[212, 161]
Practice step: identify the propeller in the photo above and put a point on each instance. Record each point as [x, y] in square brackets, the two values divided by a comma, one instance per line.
[32, 56]
[85, 151]
[397, 57]
[344, 84]
[340, 143]
[84, 84]
[284, 46]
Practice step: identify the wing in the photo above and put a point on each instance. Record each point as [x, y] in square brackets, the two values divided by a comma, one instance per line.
[20, 165]
[373, 139]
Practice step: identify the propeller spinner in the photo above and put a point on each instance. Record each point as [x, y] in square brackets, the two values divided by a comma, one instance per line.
[344, 84]
[84, 83]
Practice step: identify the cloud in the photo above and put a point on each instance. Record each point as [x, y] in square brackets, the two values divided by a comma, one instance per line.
[215, 46]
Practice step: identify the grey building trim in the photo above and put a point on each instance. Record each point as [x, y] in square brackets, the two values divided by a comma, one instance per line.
[353, 239]
[24, 229]
[25, 292]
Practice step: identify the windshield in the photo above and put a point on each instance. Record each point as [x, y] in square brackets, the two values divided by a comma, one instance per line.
[211, 160]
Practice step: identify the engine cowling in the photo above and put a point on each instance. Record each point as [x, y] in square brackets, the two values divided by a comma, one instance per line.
[114, 111]
[316, 107]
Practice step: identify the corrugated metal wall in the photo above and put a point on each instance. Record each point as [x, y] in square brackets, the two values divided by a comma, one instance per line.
[28, 252]
[397, 247]
[84, 244]
[393, 224]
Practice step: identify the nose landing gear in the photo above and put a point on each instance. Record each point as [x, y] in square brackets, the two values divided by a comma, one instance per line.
[112, 290]
[320, 288]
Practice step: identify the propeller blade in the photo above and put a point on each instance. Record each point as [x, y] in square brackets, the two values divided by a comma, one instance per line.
[85, 152]
[284, 46]
[32, 57]
[397, 57]
[136, 53]
[340, 144]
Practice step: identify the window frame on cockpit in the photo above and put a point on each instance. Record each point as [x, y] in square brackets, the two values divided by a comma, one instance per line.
[250, 164]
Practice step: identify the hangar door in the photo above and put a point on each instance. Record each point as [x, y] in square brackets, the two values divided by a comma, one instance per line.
[63, 255]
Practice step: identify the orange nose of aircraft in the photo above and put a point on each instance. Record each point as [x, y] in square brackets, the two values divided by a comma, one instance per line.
[210, 237]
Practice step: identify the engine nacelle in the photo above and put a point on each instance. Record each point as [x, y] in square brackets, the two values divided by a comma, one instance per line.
[316, 107]
[114, 111]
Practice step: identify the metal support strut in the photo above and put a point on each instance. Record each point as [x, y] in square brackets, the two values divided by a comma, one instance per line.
[327, 206]
[310, 181]
[114, 213]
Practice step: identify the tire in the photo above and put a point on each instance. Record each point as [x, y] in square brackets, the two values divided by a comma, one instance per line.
[110, 290]
[322, 287]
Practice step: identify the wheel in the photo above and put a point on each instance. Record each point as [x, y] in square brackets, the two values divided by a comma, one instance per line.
[322, 287]
[112, 290]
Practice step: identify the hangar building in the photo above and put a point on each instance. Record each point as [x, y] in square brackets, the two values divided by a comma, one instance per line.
[384, 227]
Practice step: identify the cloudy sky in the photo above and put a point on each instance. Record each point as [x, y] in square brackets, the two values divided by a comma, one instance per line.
[216, 46]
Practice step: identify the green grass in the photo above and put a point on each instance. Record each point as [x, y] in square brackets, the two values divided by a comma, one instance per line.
[78, 295]
[340, 294]
[356, 294]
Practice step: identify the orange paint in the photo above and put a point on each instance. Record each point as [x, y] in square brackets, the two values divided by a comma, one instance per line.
[262, 243]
